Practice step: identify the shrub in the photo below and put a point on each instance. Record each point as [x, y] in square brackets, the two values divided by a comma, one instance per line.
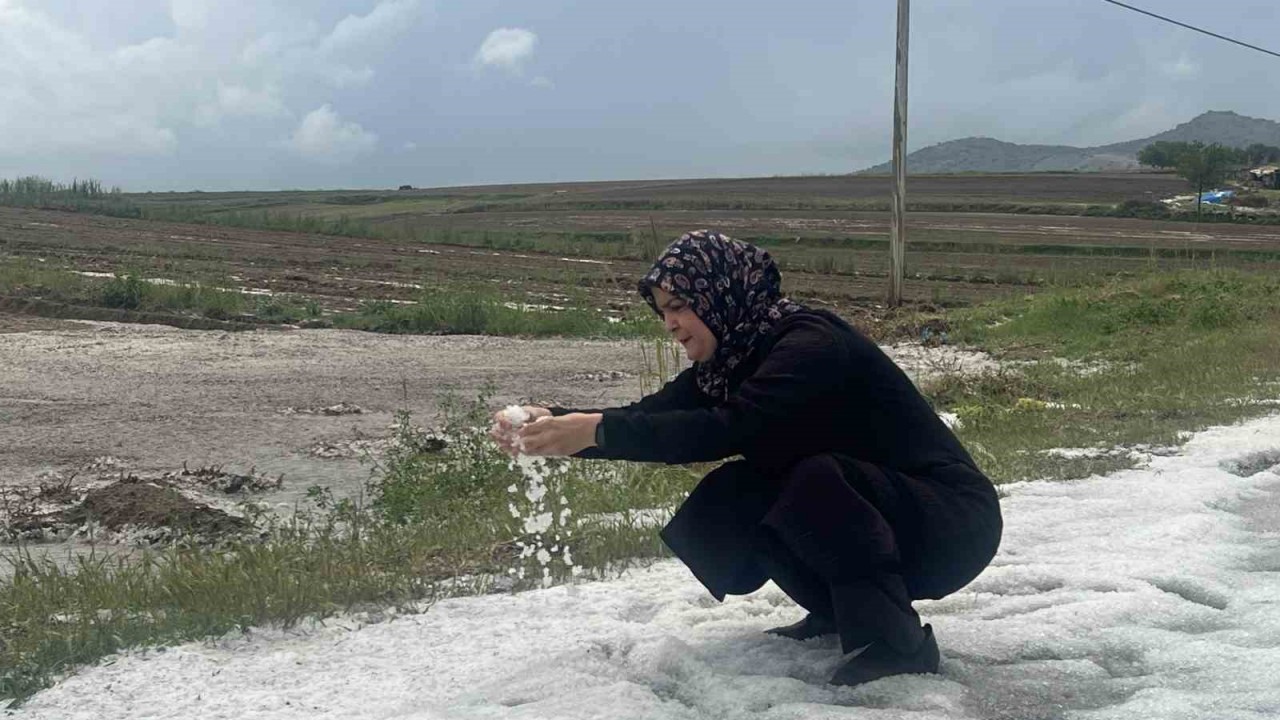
[79, 196]
[128, 292]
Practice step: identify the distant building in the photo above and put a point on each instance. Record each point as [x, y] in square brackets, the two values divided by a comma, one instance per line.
[1267, 176]
[406, 187]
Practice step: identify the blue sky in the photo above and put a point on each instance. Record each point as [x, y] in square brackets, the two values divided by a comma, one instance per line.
[185, 94]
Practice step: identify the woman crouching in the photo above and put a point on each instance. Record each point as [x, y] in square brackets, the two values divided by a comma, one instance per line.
[850, 494]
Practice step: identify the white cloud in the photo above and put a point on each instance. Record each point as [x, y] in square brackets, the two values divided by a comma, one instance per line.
[410, 145]
[1182, 68]
[241, 100]
[340, 57]
[66, 94]
[508, 49]
[233, 101]
[189, 14]
[325, 137]
[342, 76]
[542, 82]
[359, 32]
[61, 95]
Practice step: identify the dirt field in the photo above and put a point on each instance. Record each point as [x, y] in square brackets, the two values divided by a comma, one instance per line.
[971, 228]
[340, 272]
[1075, 188]
[154, 397]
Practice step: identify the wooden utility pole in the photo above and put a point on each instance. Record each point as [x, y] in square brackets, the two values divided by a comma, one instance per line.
[897, 232]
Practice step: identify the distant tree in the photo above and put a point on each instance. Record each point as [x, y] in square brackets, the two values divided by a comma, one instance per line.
[1207, 165]
[1163, 154]
[1261, 154]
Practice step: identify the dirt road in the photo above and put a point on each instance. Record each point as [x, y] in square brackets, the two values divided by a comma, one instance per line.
[154, 397]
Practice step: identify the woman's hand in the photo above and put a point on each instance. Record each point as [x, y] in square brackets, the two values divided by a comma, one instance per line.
[559, 436]
[503, 431]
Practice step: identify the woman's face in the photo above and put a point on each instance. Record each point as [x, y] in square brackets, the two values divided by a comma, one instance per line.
[685, 326]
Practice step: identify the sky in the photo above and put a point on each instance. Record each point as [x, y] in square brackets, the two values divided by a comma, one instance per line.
[1148, 593]
[279, 94]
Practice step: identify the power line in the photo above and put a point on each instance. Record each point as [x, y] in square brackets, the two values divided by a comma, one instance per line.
[1193, 27]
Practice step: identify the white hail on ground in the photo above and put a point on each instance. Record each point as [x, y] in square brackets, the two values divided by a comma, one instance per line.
[1148, 593]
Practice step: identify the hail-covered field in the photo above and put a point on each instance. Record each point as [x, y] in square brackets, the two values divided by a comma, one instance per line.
[1149, 593]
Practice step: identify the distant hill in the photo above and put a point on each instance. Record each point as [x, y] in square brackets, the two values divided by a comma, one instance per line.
[979, 154]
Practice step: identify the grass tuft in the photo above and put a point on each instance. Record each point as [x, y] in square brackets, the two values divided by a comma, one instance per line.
[456, 312]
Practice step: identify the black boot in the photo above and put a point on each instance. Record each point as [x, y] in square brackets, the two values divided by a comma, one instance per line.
[879, 660]
[811, 626]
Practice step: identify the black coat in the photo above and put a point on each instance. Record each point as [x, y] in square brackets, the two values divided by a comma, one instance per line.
[818, 386]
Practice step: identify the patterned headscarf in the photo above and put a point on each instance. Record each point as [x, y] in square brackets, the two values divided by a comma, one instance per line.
[733, 287]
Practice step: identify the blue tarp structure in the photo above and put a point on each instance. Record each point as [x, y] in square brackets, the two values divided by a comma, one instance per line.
[1217, 196]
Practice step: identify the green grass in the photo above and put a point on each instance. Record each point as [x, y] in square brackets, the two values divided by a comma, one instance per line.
[78, 196]
[1147, 359]
[457, 310]
[1128, 318]
[380, 209]
[21, 278]
[339, 224]
[130, 291]
[474, 312]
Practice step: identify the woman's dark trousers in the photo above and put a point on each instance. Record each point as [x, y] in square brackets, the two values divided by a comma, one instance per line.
[845, 539]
